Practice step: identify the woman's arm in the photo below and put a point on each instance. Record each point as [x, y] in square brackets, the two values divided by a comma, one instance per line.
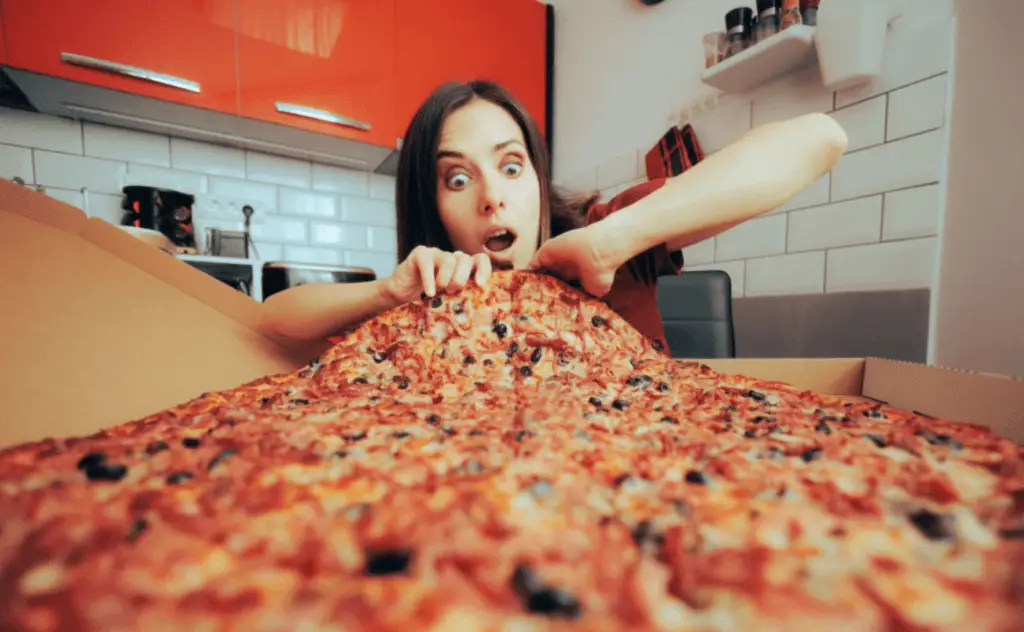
[762, 170]
[318, 310]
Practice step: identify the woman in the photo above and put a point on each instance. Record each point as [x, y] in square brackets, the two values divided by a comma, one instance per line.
[474, 194]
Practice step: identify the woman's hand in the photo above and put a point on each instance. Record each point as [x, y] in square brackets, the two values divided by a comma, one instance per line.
[430, 271]
[579, 255]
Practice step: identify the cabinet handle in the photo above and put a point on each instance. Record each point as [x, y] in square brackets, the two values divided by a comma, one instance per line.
[320, 115]
[129, 71]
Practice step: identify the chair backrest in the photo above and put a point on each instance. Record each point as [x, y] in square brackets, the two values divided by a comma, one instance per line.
[696, 309]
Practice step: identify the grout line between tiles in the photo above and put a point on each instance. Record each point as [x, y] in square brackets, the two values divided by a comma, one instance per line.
[824, 271]
[881, 224]
[885, 134]
[743, 291]
[890, 90]
[785, 235]
[895, 140]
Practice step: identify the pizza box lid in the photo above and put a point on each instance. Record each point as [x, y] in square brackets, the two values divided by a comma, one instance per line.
[98, 328]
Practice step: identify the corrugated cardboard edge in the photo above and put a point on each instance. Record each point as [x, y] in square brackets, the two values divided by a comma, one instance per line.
[989, 400]
[30, 204]
[832, 376]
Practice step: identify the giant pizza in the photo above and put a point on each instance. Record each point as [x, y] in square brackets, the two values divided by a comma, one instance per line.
[514, 457]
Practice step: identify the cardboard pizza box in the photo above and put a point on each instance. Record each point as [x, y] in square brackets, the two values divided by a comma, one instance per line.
[98, 328]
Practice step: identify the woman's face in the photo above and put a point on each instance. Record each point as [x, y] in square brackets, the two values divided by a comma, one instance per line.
[488, 194]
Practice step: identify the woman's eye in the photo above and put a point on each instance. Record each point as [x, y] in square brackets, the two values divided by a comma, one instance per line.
[458, 181]
[513, 169]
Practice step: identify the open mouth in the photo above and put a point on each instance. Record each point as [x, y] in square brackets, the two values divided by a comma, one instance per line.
[500, 241]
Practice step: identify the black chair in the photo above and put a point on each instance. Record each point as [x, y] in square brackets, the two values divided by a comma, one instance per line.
[696, 309]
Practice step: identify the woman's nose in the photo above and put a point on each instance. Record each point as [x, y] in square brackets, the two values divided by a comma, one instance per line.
[491, 197]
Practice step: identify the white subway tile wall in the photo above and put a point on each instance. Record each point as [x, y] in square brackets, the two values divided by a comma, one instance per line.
[702, 252]
[104, 206]
[617, 170]
[801, 273]
[278, 170]
[183, 181]
[901, 164]
[115, 143]
[308, 204]
[190, 155]
[263, 197]
[894, 265]
[382, 239]
[382, 187]
[814, 194]
[304, 212]
[584, 180]
[368, 212]
[78, 172]
[338, 180]
[917, 108]
[834, 225]
[16, 162]
[870, 224]
[340, 236]
[722, 124]
[39, 131]
[74, 198]
[911, 213]
[793, 95]
[610, 192]
[754, 238]
[289, 230]
[864, 123]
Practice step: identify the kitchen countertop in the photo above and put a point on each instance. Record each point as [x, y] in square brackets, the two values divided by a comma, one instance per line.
[253, 269]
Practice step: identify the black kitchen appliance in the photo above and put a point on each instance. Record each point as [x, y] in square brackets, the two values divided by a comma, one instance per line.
[281, 275]
[165, 210]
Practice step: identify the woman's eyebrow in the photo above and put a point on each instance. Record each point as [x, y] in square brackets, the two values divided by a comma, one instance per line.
[451, 153]
[511, 141]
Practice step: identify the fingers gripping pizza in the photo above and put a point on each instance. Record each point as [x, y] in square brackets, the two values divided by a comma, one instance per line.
[514, 457]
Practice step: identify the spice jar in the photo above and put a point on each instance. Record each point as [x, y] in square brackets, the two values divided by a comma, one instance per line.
[767, 19]
[809, 11]
[790, 15]
[714, 48]
[737, 29]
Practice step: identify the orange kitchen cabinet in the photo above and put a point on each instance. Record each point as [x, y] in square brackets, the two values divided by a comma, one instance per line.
[3, 45]
[181, 50]
[445, 40]
[327, 66]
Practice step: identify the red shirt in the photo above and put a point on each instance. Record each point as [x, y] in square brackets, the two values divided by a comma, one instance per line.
[634, 294]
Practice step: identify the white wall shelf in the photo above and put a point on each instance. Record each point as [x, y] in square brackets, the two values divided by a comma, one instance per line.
[779, 54]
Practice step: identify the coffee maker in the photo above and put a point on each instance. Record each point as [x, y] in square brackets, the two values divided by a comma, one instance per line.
[165, 210]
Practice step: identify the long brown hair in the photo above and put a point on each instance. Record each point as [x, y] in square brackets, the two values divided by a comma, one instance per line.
[419, 222]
